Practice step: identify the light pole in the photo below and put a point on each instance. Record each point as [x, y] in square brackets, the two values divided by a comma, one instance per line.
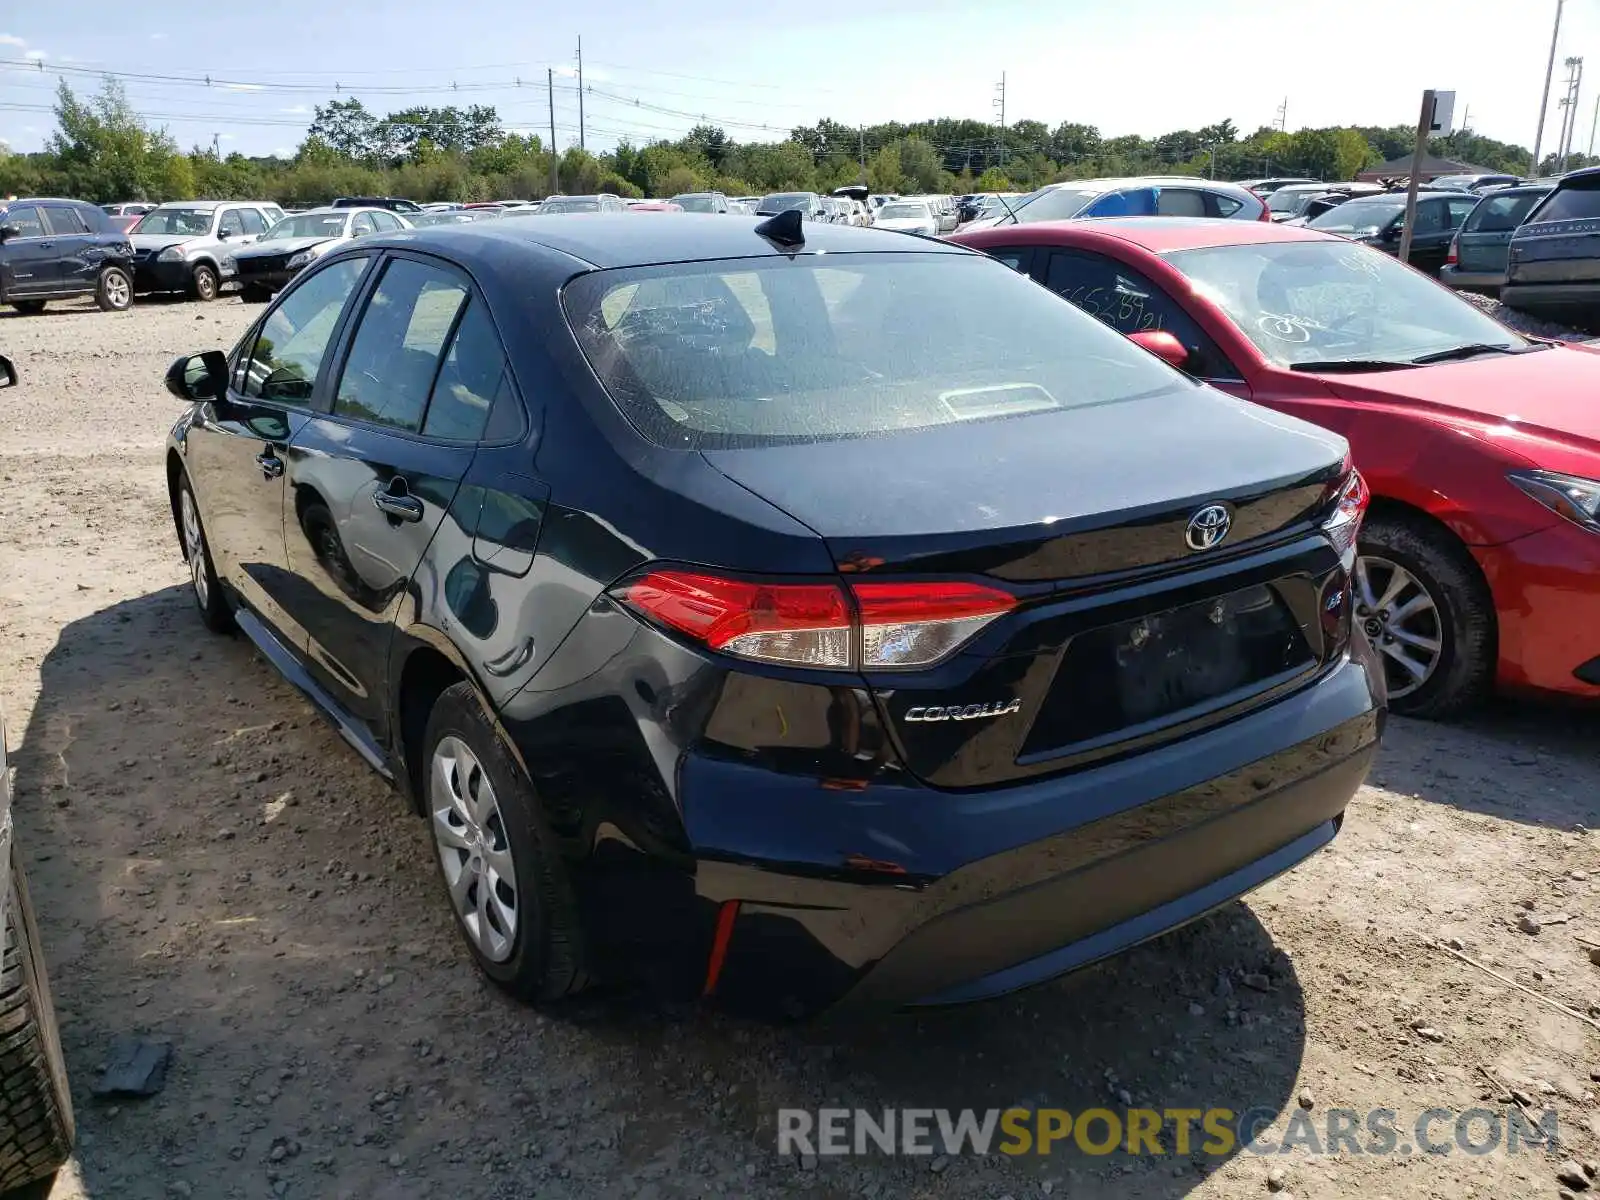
[1544, 96]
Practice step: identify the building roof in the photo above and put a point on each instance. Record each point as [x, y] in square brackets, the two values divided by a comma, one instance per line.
[1431, 167]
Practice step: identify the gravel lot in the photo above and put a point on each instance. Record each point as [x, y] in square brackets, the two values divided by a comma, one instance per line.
[214, 866]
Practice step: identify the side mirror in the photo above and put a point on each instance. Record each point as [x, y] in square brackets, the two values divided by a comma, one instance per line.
[9, 231]
[1163, 345]
[195, 377]
[223, 235]
[8, 373]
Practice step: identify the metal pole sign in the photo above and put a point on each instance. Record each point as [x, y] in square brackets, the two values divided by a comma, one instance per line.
[1425, 121]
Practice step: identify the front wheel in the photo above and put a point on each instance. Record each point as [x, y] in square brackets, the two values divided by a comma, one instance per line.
[498, 860]
[1426, 609]
[203, 283]
[36, 1123]
[254, 294]
[215, 614]
[114, 291]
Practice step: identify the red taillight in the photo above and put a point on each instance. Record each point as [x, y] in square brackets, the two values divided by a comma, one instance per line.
[1344, 526]
[1266, 213]
[1450, 258]
[895, 626]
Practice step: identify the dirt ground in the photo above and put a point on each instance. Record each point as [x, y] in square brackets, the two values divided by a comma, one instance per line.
[212, 865]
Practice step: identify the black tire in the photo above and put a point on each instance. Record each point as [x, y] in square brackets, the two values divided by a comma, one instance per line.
[546, 961]
[31, 308]
[36, 1122]
[1468, 633]
[113, 291]
[203, 283]
[251, 294]
[215, 612]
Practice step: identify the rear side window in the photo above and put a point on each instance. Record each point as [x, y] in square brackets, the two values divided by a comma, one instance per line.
[398, 344]
[61, 220]
[473, 383]
[1218, 205]
[1180, 202]
[1500, 214]
[1459, 209]
[253, 221]
[767, 352]
[25, 219]
[1570, 204]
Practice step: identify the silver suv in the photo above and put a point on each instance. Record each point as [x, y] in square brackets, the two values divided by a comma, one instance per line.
[183, 246]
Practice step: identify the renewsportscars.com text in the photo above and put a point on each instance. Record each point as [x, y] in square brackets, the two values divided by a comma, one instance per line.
[836, 1132]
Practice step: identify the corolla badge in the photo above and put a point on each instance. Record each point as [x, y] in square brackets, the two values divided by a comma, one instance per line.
[1207, 527]
[964, 712]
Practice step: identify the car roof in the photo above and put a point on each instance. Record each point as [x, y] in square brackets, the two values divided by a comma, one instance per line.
[210, 203]
[609, 240]
[43, 200]
[1155, 234]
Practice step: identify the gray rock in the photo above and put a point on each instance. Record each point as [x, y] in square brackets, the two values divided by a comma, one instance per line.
[1306, 1099]
[135, 1067]
[938, 1165]
[180, 1188]
[1277, 1179]
[1529, 926]
[1572, 1175]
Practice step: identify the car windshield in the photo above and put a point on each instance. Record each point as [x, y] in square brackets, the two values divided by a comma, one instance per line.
[189, 221]
[701, 204]
[1052, 204]
[783, 201]
[762, 352]
[321, 225]
[1363, 218]
[905, 209]
[1289, 199]
[1305, 302]
[570, 204]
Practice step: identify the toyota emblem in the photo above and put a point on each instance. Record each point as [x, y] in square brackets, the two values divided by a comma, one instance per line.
[1207, 527]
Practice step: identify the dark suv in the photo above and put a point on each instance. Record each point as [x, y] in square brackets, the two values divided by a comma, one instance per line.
[59, 250]
[735, 622]
[1553, 270]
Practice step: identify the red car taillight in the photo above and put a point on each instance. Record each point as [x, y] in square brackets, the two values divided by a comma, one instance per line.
[1450, 258]
[1344, 526]
[1266, 213]
[890, 626]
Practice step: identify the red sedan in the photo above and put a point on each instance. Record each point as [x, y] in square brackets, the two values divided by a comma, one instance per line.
[1480, 557]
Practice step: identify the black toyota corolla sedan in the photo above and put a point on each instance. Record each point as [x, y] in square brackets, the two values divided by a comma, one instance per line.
[782, 612]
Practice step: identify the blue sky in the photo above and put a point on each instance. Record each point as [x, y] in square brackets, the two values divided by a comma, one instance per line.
[1145, 67]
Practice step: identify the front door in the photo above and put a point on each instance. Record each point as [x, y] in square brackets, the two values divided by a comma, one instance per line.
[371, 480]
[28, 255]
[77, 269]
[235, 448]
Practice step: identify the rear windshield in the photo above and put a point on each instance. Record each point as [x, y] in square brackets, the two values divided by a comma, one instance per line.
[774, 351]
[1570, 204]
[1500, 213]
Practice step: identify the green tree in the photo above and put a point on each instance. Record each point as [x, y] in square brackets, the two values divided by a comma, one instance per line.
[993, 180]
[920, 165]
[347, 126]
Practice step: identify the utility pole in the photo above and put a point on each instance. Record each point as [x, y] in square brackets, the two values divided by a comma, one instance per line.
[580, 92]
[863, 155]
[1544, 96]
[1569, 118]
[1424, 127]
[1593, 124]
[216, 145]
[1000, 103]
[1466, 120]
[550, 84]
[1281, 120]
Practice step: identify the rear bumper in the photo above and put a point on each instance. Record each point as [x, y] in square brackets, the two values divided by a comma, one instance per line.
[903, 895]
[1546, 589]
[1554, 298]
[1457, 278]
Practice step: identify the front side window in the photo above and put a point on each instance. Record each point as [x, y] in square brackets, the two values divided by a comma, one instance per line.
[1129, 303]
[396, 350]
[765, 352]
[1430, 217]
[231, 225]
[294, 339]
[1305, 303]
[61, 220]
[25, 220]
[363, 224]
[1459, 209]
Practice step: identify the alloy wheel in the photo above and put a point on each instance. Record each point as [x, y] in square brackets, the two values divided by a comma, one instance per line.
[117, 290]
[195, 547]
[1401, 619]
[474, 850]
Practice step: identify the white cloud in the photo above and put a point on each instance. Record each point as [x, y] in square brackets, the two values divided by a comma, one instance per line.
[11, 39]
[298, 110]
[158, 37]
[282, 152]
[36, 55]
[241, 87]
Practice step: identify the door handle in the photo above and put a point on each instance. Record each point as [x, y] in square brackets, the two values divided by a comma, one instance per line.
[269, 462]
[400, 505]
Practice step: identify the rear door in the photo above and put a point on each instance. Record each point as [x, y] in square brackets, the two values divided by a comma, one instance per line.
[1560, 242]
[371, 478]
[1430, 239]
[28, 256]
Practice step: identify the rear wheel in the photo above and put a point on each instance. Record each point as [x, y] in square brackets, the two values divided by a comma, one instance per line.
[203, 283]
[498, 860]
[30, 308]
[208, 598]
[114, 290]
[1428, 612]
[36, 1123]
